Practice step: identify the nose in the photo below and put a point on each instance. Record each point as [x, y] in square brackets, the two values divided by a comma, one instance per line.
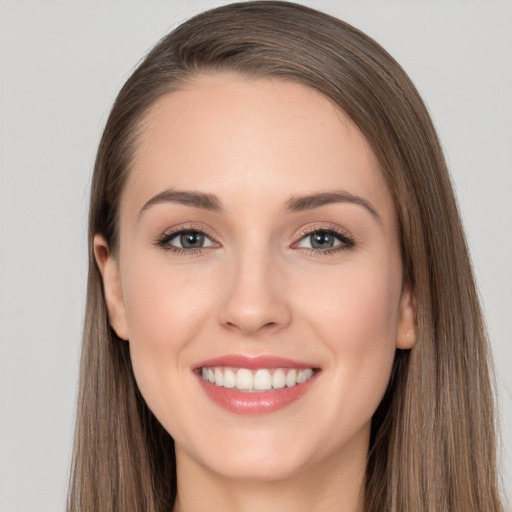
[254, 299]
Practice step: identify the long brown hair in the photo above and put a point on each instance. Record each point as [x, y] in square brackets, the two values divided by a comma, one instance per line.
[432, 444]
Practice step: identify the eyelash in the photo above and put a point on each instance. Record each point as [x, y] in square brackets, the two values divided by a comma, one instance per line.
[163, 241]
[346, 241]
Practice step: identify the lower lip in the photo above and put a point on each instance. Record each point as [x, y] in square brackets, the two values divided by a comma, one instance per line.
[259, 402]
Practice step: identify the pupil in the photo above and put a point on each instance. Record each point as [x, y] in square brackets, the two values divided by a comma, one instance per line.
[322, 240]
[191, 240]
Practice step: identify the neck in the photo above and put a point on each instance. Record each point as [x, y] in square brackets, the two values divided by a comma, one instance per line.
[327, 486]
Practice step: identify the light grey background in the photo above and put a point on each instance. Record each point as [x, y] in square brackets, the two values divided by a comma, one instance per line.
[62, 64]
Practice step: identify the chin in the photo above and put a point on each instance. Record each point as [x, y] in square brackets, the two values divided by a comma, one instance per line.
[261, 467]
[249, 454]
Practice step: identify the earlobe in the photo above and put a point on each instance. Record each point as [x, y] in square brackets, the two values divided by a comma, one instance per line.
[407, 332]
[109, 270]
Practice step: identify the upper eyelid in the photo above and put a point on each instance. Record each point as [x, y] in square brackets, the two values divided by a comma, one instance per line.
[304, 232]
[326, 228]
[188, 228]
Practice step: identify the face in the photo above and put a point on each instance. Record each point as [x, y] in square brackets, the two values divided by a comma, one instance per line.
[258, 279]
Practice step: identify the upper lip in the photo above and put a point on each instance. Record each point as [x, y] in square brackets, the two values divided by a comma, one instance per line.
[253, 362]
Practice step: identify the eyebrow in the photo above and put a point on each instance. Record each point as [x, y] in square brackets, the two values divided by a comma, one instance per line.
[188, 198]
[308, 202]
[211, 202]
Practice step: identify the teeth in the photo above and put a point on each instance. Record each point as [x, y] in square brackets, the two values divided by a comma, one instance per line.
[291, 378]
[229, 379]
[304, 375]
[262, 380]
[244, 379]
[219, 377]
[278, 379]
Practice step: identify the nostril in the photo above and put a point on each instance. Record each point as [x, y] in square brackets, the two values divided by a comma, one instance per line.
[244, 327]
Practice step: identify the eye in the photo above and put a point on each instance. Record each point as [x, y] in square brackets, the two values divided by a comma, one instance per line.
[185, 240]
[190, 240]
[325, 240]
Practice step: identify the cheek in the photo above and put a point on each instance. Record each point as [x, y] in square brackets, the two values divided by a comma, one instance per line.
[166, 307]
[356, 305]
[164, 303]
[357, 320]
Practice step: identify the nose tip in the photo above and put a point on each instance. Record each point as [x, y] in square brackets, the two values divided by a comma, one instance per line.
[257, 314]
[254, 303]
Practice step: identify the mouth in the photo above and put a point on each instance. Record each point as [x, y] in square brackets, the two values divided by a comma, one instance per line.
[252, 381]
[255, 385]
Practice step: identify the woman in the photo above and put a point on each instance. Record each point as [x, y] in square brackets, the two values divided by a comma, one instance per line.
[281, 311]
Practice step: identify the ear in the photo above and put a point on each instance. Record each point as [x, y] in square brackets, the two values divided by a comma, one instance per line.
[109, 270]
[407, 332]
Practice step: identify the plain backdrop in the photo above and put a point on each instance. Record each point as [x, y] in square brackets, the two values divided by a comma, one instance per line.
[62, 64]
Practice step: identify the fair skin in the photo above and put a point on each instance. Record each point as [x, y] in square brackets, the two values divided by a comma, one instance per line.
[259, 283]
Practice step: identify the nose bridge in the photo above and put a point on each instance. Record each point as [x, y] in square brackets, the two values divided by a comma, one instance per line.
[254, 300]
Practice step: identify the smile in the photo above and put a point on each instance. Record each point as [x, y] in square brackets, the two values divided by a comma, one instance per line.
[255, 385]
[262, 379]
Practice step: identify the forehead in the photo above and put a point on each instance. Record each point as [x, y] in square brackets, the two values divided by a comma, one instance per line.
[248, 139]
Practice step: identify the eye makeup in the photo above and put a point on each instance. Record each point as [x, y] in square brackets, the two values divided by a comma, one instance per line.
[321, 234]
[188, 234]
[323, 240]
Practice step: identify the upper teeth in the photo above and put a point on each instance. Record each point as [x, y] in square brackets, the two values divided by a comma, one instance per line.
[244, 379]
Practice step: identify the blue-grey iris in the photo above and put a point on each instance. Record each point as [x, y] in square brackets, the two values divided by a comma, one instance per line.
[191, 240]
[322, 240]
